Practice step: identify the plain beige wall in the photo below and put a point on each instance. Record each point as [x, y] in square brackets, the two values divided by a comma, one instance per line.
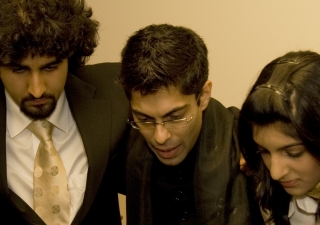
[241, 36]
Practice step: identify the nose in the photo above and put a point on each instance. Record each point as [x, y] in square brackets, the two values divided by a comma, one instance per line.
[161, 134]
[36, 85]
[278, 168]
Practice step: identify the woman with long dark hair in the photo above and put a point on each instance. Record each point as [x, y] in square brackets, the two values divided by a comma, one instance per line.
[279, 130]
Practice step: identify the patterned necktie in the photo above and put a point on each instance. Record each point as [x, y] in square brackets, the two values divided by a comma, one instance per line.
[51, 195]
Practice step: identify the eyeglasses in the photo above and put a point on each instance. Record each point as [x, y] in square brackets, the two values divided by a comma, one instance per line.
[169, 124]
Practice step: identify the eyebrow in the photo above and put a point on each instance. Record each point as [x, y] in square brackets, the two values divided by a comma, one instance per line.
[57, 61]
[18, 65]
[165, 115]
[283, 147]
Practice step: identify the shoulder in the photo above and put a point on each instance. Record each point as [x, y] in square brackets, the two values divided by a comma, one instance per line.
[234, 110]
[111, 67]
[102, 76]
[219, 110]
[94, 72]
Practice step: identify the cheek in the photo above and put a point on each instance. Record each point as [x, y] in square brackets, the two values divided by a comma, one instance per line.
[190, 135]
[146, 135]
[56, 83]
[312, 170]
[17, 90]
[308, 165]
[10, 83]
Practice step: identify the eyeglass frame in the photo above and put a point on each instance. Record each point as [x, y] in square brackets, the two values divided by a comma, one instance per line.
[160, 123]
[163, 122]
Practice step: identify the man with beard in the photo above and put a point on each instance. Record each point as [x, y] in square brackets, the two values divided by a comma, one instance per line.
[43, 48]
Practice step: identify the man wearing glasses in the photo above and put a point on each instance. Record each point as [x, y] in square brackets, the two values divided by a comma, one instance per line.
[184, 167]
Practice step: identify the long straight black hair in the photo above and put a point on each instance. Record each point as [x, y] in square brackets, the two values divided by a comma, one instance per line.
[286, 93]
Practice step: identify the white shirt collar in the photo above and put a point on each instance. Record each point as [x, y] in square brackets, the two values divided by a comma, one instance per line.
[304, 203]
[17, 121]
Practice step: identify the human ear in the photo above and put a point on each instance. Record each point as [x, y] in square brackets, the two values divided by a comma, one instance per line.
[205, 95]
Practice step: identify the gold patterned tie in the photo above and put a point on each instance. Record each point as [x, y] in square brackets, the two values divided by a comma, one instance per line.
[51, 195]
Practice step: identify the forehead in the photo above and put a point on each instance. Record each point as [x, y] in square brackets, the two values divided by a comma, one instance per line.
[37, 61]
[32, 61]
[272, 136]
[160, 102]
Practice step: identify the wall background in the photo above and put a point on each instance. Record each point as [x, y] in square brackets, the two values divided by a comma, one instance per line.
[241, 36]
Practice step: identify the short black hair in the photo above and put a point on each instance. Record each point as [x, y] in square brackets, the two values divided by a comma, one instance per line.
[161, 56]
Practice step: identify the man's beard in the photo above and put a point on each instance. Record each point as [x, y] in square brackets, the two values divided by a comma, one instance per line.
[40, 111]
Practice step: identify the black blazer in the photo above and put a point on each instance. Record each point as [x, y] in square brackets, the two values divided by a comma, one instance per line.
[100, 110]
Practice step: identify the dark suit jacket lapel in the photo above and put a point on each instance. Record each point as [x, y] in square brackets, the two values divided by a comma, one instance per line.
[94, 129]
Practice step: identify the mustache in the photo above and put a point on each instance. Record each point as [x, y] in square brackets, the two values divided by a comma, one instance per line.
[31, 97]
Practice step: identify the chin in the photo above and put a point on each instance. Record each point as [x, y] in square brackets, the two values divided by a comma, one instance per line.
[295, 192]
[170, 162]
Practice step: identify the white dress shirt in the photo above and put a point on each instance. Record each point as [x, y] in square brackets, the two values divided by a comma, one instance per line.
[22, 145]
[302, 211]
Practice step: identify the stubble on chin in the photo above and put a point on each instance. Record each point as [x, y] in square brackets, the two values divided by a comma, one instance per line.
[39, 111]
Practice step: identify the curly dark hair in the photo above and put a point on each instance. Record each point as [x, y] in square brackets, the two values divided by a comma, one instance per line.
[161, 56]
[60, 28]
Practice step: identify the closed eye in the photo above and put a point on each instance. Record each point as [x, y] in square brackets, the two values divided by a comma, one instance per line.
[50, 68]
[295, 155]
[175, 118]
[145, 119]
[18, 69]
[295, 151]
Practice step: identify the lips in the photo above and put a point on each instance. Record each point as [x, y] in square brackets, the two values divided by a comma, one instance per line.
[168, 152]
[288, 184]
[38, 101]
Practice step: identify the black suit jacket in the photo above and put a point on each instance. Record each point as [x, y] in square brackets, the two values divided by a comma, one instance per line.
[100, 110]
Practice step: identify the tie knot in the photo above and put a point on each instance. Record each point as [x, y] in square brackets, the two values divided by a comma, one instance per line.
[42, 129]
